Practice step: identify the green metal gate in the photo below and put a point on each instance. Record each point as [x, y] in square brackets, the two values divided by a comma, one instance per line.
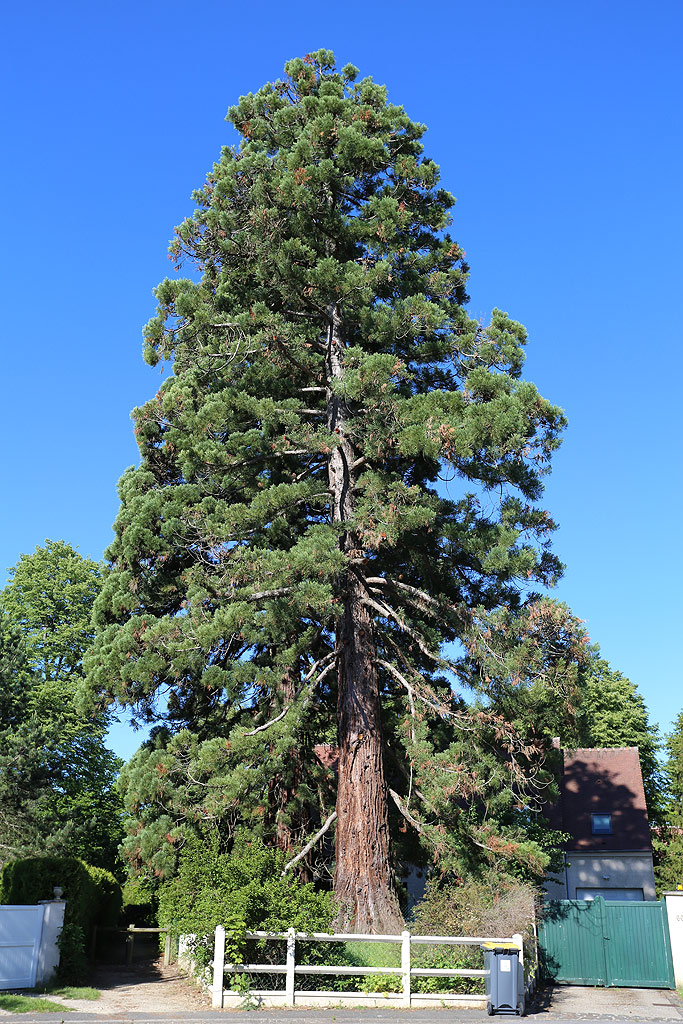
[606, 942]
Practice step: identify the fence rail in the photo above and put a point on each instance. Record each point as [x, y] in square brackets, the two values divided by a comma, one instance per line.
[291, 970]
[130, 932]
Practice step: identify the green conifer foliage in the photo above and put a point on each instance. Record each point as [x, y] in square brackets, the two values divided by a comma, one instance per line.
[340, 478]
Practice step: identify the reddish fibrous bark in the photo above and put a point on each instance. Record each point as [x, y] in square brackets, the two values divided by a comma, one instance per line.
[364, 878]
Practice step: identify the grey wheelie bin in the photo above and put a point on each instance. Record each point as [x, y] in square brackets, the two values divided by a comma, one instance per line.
[505, 980]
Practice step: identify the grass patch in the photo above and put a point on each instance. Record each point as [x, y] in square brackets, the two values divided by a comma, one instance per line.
[30, 1004]
[374, 954]
[74, 992]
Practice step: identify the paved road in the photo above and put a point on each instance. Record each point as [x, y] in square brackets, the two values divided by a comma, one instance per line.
[558, 1005]
[562, 1005]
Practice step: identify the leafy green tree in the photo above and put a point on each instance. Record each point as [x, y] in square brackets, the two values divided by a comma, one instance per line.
[668, 838]
[50, 596]
[591, 706]
[24, 773]
[674, 772]
[612, 713]
[57, 779]
[338, 483]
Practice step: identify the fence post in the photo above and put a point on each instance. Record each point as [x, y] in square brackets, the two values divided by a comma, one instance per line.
[405, 966]
[519, 941]
[218, 968]
[167, 949]
[534, 969]
[130, 939]
[291, 961]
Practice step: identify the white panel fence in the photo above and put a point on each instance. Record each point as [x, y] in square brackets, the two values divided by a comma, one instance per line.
[29, 953]
[220, 996]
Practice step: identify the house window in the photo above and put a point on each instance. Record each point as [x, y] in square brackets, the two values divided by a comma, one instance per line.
[601, 824]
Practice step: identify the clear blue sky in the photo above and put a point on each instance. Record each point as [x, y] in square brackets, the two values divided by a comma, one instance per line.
[557, 125]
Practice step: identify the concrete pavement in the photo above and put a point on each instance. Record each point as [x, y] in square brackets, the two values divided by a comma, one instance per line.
[555, 1005]
[563, 1004]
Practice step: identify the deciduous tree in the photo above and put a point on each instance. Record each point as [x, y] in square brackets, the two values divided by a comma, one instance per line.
[57, 778]
[612, 713]
[668, 838]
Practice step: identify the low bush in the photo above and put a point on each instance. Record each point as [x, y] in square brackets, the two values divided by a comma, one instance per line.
[244, 890]
[492, 905]
[73, 960]
[489, 907]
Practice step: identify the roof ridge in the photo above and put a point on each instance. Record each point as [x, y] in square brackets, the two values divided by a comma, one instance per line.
[631, 747]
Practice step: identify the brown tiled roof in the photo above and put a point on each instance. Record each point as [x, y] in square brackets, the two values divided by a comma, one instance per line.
[602, 781]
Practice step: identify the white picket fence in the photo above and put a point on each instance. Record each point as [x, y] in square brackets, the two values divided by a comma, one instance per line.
[222, 997]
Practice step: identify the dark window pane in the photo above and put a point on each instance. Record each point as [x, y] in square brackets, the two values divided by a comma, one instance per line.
[602, 824]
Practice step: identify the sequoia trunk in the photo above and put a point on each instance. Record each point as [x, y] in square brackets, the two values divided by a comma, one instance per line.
[364, 879]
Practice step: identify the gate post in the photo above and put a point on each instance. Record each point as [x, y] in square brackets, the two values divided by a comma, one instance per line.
[405, 966]
[48, 951]
[674, 913]
[291, 963]
[604, 932]
[218, 968]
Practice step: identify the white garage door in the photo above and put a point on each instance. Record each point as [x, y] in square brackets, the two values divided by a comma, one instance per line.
[20, 930]
[635, 895]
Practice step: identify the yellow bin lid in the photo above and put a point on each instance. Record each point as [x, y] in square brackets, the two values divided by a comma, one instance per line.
[500, 945]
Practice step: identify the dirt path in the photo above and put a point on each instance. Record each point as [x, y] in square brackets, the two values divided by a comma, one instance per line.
[141, 988]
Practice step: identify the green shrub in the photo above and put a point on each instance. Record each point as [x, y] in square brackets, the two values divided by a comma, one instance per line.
[73, 963]
[244, 890]
[93, 896]
[139, 902]
[381, 983]
[491, 905]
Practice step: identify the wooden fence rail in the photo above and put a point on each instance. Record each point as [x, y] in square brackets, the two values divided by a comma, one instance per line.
[290, 969]
[130, 932]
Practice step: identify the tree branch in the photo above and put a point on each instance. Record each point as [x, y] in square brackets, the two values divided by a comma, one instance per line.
[261, 595]
[309, 846]
[401, 678]
[421, 595]
[386, 610]
[407, 815]
[278, 718]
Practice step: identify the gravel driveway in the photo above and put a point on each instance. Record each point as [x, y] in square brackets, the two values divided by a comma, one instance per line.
[141, 988]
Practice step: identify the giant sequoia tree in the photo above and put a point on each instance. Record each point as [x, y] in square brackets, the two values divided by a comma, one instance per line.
[338, 484]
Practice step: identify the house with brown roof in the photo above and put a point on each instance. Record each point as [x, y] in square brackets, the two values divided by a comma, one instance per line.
[602, 808]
